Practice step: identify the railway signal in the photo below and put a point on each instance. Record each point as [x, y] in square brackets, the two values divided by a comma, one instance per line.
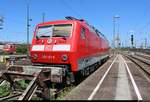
[1, 22]
[132, 40]
[145, 43]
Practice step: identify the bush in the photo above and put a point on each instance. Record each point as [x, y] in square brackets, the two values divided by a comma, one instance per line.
[21, 49]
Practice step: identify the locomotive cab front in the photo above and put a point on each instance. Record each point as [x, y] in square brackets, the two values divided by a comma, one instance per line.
[52, 44]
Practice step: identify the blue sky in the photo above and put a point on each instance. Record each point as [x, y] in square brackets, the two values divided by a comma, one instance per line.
[134, 17]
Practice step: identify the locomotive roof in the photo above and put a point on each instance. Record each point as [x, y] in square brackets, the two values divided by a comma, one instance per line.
[71, 20]
[59, 22]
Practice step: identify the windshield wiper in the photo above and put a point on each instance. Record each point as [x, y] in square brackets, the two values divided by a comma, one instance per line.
[37, 37]
[59, 36]
[44, 36]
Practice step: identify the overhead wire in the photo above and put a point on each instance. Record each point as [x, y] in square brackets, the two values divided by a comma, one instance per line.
[70, 8]
[142, 17]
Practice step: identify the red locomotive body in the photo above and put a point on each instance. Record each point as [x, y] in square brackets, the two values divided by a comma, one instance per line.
[71, 43]
[9, 48]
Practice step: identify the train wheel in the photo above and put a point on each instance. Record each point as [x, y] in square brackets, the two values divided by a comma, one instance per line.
[79, 77]
[87, 71]
[82, 73]
[99, 63]
[70, 78]
[92, 68]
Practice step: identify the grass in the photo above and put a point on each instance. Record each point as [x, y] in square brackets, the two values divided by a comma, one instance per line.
[64, 93]
[1, 63]
[22, 84]
[35, 98]
[5, 90]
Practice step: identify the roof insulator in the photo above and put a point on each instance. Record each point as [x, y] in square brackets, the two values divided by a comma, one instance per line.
[73, 18]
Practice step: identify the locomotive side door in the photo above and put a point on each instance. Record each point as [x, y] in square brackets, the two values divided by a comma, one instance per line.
[82, 48]
[83, 39]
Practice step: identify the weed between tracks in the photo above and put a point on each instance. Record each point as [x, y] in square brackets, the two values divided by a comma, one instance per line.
[5, 90]
[64, 92]
[23, 84]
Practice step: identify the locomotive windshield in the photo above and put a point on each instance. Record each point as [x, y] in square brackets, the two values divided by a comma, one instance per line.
[7, 46]
[62, 30]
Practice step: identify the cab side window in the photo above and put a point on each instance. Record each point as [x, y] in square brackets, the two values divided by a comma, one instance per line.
[83, 33]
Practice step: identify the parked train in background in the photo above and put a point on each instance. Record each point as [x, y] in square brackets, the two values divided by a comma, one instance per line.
[9, 48]
[70, 44]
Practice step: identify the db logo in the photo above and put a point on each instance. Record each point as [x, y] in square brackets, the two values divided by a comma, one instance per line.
[49, 41]
[48, 48]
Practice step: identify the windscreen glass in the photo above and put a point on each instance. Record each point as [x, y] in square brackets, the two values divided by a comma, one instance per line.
[6, 46]
[63, 30]
[44, 31]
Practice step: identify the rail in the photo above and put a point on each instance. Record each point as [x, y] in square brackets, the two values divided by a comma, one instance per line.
[141, 63]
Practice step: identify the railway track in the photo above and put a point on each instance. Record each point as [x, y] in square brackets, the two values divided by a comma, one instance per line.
[141, 62]
[143, 55]
[11, 97]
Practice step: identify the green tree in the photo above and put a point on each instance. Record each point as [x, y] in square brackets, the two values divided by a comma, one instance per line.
[21, 49]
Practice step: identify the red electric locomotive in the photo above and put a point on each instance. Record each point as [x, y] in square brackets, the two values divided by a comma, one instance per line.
[9, 48]
[71, 44]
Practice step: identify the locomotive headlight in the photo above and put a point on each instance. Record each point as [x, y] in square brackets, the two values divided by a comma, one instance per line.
[64, 57]
[35, 56]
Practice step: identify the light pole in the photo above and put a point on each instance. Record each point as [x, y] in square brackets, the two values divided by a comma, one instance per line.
[43, 17]
[28, 26]
[114, 30]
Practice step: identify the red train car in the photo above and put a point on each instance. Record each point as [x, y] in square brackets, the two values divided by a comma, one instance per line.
[72, 44]
[9, 48]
